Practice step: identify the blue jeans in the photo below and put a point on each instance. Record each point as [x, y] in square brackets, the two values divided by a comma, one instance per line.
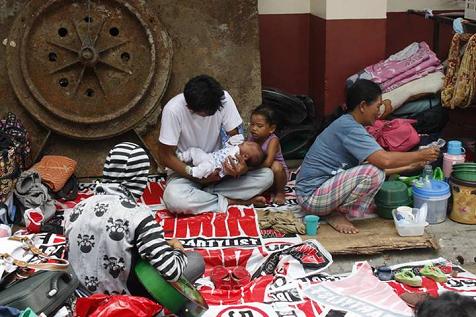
[184, 196]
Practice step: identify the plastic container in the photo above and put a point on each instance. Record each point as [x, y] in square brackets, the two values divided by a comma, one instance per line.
[312, 223]
[464, 201]
[435, 197]
[414, 227]
[393, 194]
[465, 172]
[455, 148]
[449, 160]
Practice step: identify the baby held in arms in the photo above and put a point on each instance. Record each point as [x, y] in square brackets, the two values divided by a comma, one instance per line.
[204, 164]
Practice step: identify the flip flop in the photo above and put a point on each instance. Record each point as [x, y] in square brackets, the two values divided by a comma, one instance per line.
[407, 277]
[434, 273]
[413, 299]
[384, 273]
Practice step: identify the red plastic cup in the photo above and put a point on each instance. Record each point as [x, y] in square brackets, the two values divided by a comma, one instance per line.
[33, 220]
[240, 277]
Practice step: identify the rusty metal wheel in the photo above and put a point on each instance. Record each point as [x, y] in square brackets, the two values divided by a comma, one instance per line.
[89, 70]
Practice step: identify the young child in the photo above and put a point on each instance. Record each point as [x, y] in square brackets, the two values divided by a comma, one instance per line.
[262, 126]
[206, 163]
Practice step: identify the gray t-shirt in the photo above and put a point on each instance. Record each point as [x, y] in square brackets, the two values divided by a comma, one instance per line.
[343, 145]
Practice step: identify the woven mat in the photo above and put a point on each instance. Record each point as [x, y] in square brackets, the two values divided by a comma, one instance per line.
[376, 235]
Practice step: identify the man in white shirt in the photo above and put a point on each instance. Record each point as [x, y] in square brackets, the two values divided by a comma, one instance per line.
[195, 119]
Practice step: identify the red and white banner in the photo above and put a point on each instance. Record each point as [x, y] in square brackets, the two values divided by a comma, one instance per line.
[236, 228]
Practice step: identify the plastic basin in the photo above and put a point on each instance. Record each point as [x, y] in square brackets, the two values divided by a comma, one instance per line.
[408, 229]
[385, 211]
[464, 175]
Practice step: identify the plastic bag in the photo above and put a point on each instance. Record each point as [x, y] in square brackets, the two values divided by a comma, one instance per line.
[100, 305]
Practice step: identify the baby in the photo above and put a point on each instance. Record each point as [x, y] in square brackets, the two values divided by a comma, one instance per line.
[205, 164]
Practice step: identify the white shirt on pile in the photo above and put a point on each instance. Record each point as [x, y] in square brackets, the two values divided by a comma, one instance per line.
[184, 129]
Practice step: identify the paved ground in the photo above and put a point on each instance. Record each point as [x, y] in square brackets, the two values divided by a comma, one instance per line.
[456, 241]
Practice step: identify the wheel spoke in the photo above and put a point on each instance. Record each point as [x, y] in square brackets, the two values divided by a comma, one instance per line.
[98, 32]
[77, 32]
[60, 45]
[80, 78]
[119, 68]
[64, 67]
[99, 81]
[102, 50]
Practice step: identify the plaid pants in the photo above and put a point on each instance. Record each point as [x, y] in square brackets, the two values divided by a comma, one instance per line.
[350, 192]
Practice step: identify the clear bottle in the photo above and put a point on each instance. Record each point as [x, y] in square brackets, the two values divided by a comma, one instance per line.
[427, 176]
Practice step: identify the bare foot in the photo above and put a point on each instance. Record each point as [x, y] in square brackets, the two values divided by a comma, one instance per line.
[258, 201]
[279, 199]
[340, 223]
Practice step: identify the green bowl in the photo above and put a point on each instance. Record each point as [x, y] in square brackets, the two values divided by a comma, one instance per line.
[179, 297]
[467, 176]
[392, 193]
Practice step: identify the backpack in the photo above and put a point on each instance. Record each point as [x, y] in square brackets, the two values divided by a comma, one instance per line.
[396, 135]
[20, 139]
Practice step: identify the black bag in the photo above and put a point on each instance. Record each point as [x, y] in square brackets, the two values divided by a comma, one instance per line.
[19, 136]
[290, 109]
[43, 292]
[431, 121]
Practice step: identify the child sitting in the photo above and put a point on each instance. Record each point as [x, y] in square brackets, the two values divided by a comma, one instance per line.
[205, 164]
[262, 126]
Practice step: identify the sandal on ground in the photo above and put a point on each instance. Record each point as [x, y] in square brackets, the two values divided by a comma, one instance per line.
[434, 273]
[407, 277]
[413, 299]
[384, 273]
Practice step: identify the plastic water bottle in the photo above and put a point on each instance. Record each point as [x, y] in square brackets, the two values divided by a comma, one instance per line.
[426, 176]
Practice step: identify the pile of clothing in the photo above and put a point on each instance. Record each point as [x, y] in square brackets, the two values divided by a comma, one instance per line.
[405, 76]
[460, 82]
[411, 81]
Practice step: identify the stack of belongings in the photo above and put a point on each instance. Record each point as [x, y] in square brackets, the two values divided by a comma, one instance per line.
[411, 81]
[459, 88]
[14, 157]
[298, 124]
[52, 177]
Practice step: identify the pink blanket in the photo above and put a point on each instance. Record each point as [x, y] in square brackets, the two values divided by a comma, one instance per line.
[400, 69]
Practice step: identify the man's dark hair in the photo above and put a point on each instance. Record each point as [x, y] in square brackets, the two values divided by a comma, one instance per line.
[447, 305]
[204, 95]
[362, 90]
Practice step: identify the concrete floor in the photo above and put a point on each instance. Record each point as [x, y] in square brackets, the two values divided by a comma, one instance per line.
[456, 240]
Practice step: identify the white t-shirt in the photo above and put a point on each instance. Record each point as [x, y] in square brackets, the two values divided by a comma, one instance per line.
[184, 129]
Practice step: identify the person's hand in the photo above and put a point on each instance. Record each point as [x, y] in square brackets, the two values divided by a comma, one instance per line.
[176, 244]
[416, 166]
[429, 154]
[212, 178]
[235, 166]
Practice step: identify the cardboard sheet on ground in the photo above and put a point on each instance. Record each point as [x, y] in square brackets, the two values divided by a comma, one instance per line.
[364, 242]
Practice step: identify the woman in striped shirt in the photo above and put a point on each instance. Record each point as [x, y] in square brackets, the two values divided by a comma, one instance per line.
[109, 231]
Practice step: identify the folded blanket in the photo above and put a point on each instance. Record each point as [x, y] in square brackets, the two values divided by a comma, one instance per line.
[429, 84]
[413, 62]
